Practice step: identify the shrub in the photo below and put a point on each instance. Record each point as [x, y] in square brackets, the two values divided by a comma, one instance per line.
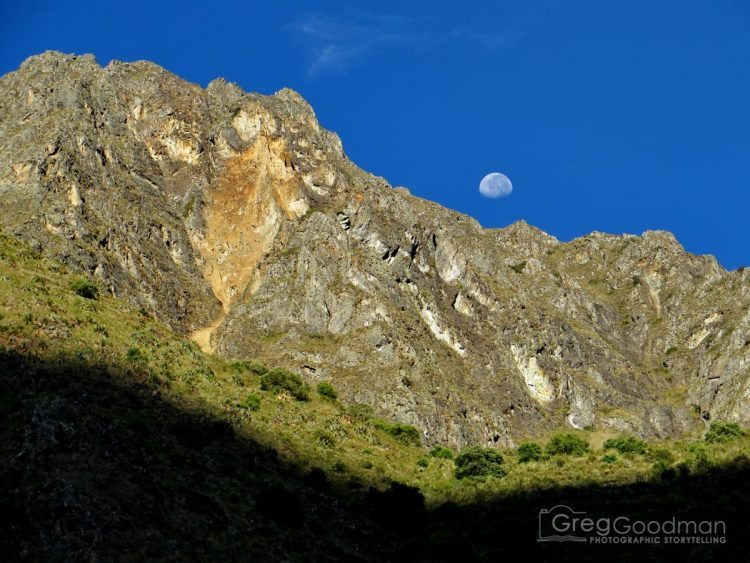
[661, 455]
[626, 445]
[530, 451]
[360, 412]
[663, 470]
[243, 366]
[135, 356]
[609, 458]
[85, 288]
[251, 403]
[441, 452]
[567, 444]
[476, 461]
[423, 462]
[701, 463]
[324, 439]
[279, 379]
[327, 390]
[720, 432]
[405, 433]
[518, 268]
[199, 373]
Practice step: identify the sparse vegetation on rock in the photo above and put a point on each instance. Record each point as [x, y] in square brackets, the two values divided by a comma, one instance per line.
[85, 288]
[327, 390]
[405, 433]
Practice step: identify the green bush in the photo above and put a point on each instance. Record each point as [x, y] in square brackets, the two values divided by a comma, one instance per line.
[661, 455]
[720, 432]
[251, 403]
[243, 366]
[530, 451]
[441, 452]
[327, 390]
[278, 379]
[567, 444]
[135, 356]
[626, 445]
[518, 268]
[423, 462]
[609, 458]
[360, 412]
[476, 461]
[405, 433]
[85, 288]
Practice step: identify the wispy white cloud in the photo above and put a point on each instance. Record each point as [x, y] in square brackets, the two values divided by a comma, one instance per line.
[336, 43]
[491, 41]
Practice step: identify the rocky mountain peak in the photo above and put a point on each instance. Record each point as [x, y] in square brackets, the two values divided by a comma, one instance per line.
[237, 218]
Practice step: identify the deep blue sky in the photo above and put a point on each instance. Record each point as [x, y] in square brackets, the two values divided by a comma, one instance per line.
[616, 116]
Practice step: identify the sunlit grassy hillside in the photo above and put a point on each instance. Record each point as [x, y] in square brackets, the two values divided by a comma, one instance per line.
[96, 386]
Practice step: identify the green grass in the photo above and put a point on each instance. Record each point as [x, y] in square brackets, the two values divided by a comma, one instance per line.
[327, 390]
[405, 433]
[441, 452]
[722, 432]
[251, 402]
[476, 461]
[626, 445]
[529, 451]
[567, 444]
[279, 380]
[42, 313]
[84, 288]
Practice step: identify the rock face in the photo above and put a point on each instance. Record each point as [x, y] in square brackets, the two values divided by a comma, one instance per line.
[236, 218]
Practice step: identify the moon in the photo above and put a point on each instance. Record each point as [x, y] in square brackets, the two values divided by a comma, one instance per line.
[495, 185]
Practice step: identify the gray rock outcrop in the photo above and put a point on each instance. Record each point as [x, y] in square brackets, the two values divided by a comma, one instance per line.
[236, 218]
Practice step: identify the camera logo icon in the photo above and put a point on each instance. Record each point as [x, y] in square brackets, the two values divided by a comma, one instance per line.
[560, 524]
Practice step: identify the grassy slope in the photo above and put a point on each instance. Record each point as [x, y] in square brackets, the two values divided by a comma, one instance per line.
[99, 349]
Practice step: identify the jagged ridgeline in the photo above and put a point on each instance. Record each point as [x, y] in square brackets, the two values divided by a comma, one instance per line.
[236, 219]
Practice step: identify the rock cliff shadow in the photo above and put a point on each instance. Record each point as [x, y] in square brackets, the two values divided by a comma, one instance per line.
[97, 467]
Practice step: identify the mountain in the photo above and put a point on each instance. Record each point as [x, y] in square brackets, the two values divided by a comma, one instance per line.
[236, 219]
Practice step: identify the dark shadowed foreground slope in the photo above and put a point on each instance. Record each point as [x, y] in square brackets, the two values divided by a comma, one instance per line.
[96, 468]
